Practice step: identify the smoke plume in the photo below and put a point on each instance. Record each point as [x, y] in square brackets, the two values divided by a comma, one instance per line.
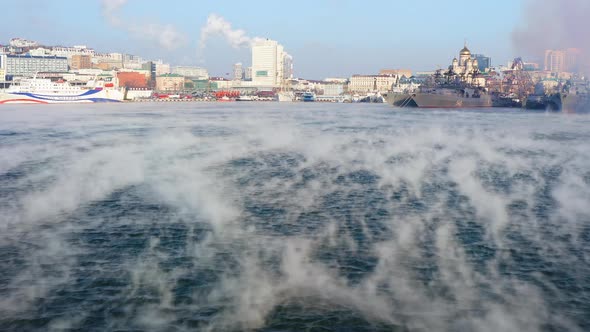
[550, 24]
[165, 35]
[218, 26]
[110, 8]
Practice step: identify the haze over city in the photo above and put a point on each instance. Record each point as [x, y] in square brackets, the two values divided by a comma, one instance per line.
[326, 38]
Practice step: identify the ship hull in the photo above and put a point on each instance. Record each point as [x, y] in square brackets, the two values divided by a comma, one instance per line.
[551, 103]
[400, 100]
[425, 100]
[90, 96]
[576, 104]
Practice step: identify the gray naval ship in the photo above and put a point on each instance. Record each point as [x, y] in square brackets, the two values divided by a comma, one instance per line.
[458, 87]
[573, 97]
[575, 103]
[442, 97]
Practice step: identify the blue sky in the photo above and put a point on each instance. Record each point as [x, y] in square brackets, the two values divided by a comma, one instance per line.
[325, 37]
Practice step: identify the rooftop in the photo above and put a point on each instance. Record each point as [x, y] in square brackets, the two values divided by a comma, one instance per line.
[170, 75]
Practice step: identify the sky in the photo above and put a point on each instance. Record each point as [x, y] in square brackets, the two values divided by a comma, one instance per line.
[327, 38]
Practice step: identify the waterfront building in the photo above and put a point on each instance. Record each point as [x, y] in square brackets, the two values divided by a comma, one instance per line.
[371, 83]
[191, 72]
[169, 82]
[271, 65]
[264, 62]
[238, 71]
[79, 61]
[220, 83]
[330, 88]
[201, 85]
[28, 65]
[132, 80]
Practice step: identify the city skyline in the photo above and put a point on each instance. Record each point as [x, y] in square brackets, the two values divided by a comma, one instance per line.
[345, 37]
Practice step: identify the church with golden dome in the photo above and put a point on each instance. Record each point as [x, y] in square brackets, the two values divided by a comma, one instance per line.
[466, 69]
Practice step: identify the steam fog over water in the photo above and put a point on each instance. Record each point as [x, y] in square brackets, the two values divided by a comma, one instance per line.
[298, 217]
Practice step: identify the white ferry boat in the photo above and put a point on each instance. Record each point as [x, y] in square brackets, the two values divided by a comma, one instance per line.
[45, 91]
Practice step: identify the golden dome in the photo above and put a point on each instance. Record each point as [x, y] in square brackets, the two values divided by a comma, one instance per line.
[465, 51]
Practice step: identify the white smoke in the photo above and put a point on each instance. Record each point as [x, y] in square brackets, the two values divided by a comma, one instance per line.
[218, 26]
[550, 24]
[110, 8]
[165, 35]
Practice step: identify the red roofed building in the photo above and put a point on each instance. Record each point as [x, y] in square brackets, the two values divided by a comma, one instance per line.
[132, 80]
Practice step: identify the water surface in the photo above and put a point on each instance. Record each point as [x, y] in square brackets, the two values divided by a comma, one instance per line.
[292, 217]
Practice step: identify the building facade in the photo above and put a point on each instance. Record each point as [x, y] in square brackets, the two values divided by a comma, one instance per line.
[150, 66]
[68, 52]
[163, 68]
[238, 71]
[248, 74]
[271, 65]
[192, 72]
[29, 66]
[170, 82]
[79, 61]
[396, 72]
[554, 61]
[484, 63]
[287, 67]
[132, 80]
[558, 61]
[330, 88]
[371, 83]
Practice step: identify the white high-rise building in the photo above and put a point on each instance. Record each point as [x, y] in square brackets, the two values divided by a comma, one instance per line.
[238, 71]
[271, 65]
[287, 67]
[248, 74]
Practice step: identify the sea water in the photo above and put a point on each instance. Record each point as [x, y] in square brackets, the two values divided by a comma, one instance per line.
[292, 217]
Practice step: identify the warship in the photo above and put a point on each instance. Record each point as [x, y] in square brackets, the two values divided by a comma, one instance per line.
[575, 103]
[576, 97]
[461, 86]
[569, 98]
[443, 97]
